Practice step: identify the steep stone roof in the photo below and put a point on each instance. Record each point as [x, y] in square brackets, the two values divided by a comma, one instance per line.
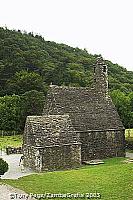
[49, 130]
[87, 108]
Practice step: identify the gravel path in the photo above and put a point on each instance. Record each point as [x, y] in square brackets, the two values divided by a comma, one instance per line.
[9, 193]
[14, 171]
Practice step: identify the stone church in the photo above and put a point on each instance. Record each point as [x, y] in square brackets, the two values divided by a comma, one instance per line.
[78, 124]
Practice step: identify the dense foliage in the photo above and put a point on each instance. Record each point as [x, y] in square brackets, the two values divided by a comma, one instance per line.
[15, 108]
[123, 103]
[3, 166]
[29, 63]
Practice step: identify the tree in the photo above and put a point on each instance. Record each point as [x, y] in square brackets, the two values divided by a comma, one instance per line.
[122, 103]
[131, 100]
[10, 113]
[24, 81]
[31, 104]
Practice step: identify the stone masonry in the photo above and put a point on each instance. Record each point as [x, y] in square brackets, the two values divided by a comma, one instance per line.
[77, 124]
[51, 143]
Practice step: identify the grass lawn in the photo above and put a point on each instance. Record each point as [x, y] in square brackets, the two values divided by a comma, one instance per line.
[113, 180]
[13, 141]
[131, 134]
[129, 138]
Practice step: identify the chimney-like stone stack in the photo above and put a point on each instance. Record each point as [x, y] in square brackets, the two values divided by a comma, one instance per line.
[101, 77]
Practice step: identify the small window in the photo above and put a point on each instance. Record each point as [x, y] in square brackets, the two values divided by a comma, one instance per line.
[104, 68]
[94, 69]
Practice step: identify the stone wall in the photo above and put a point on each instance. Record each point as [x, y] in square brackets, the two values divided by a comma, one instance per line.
[51, 143]
[29, 153]
[52, 158]
[61, 157]
[13, 150]
[102, 144]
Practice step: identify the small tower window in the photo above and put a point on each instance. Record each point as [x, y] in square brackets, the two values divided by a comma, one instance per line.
[94, 69]
[104, 68]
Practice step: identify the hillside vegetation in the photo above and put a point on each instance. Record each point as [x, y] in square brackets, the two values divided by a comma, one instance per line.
[56, 63]
[28, 64]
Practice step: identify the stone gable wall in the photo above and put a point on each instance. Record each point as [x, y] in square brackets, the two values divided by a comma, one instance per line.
[51, 143]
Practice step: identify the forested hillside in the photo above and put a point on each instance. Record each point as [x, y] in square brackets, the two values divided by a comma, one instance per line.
[28, 64]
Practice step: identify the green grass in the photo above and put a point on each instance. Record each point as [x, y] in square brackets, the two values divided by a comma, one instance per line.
[113, 180]
[13, 141]
[131, 134]
[129, 139]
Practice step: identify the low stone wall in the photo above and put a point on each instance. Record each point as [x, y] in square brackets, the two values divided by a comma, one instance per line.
[9, 133]
[13, 150]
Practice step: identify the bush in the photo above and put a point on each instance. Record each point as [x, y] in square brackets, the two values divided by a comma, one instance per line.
[3, 166]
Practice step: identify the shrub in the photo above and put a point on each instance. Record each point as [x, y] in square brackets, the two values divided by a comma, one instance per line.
[3, 166]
